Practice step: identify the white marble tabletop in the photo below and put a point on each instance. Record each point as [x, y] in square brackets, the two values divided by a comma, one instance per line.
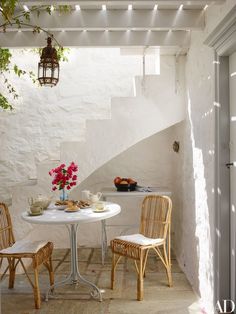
[52, 215]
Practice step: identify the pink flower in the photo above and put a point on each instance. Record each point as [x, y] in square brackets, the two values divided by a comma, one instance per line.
[64, 176]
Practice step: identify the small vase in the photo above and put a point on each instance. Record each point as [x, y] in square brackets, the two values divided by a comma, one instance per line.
[64, 195]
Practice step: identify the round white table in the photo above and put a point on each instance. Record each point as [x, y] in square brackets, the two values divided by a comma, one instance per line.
[53, 216]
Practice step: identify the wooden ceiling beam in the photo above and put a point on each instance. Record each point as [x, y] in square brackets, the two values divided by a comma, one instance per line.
[119, 20]
[99, 39]
[121, 2]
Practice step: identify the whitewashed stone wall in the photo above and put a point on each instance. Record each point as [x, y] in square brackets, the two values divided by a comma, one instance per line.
[195, 235]
[157, 106]
[151, 162]
[44, 117]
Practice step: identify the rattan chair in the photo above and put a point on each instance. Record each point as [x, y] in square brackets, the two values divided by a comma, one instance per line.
[154, 234]
[40, 252]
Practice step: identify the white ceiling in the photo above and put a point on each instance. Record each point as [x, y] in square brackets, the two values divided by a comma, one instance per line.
[167, 26]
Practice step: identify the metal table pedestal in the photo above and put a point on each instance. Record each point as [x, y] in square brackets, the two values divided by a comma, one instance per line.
[75, 276]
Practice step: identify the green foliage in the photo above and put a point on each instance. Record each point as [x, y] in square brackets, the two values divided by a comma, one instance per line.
[33, 77]
[61, 54]
[64, 8]
[27, 16]
[4, 104]
[5, 62]
[48, 10]
[5, 59]
[18, 71]
[8, 8]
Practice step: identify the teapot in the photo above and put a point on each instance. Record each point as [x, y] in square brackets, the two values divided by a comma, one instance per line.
[40, 200]
[92, 197]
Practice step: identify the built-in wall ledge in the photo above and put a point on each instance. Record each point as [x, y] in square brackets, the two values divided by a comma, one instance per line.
[223, 37]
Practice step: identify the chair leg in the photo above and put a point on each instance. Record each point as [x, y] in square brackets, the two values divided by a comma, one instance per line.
[140, 279]
[145, 262]
[12, 273]
[115, 261]
[168, 267]
[51, 273]
[48, 265]
[113, 271]
[37, 297]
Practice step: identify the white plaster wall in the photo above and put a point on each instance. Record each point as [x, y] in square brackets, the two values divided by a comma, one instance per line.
[44, 117]
[151, 162]
[157, 107]
[195, 237]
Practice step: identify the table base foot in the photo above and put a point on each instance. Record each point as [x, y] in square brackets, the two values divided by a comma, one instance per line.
[75, 279]
[75, 276]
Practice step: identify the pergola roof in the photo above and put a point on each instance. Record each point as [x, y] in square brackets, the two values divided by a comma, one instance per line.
[112, 23]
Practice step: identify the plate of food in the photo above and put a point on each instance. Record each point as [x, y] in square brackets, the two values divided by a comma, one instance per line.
[72, 206]
[84, 204]
[61, 204]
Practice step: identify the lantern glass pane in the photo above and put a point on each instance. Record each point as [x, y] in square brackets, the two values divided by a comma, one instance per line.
[48, 72]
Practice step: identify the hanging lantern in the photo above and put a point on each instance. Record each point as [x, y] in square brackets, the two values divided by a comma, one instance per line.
[48, 67]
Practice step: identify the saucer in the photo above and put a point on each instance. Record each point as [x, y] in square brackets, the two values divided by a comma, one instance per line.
[100, 210]
[68, 210]
[34, 214]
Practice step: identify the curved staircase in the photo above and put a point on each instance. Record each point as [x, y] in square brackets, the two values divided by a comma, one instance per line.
[132, 120]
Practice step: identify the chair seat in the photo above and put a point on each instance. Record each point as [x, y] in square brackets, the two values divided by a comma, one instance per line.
[24, 246]
[140, 239]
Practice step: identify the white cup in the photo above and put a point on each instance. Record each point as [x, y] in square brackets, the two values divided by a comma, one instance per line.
[36, 209]
[99, 205]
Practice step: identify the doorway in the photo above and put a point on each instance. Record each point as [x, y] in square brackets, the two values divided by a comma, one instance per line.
[232, 102]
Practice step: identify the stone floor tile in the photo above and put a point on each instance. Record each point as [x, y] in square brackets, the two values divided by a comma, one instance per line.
[58, 254]
[76, 299]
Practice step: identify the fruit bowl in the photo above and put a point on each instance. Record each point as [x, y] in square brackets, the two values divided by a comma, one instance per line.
[125, 185]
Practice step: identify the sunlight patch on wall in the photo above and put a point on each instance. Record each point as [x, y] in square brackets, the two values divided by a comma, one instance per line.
[202, 231]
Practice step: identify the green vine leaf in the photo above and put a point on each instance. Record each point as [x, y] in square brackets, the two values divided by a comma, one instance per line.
[4, 104]
[64, 8]
[5, 59]
[48, 10]
[27, 16]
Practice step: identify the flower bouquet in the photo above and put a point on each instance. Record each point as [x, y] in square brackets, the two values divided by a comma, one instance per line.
[64, 178]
